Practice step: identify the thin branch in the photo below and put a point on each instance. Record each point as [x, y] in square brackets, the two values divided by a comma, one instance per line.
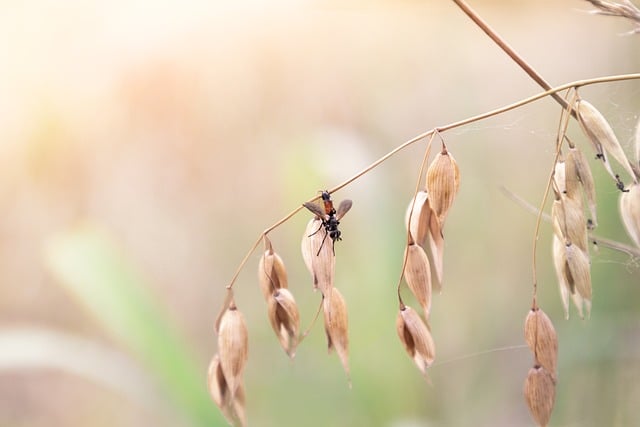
[550, 92]
[484, 26]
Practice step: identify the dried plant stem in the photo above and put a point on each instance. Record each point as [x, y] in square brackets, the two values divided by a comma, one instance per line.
[410, 240]
[484, 26]
[497, 111]
[313, 322]
[562, 128]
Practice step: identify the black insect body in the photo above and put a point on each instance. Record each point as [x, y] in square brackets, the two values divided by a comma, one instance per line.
[330, 217]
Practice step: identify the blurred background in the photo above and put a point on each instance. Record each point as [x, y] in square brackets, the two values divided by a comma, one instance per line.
[145, 145]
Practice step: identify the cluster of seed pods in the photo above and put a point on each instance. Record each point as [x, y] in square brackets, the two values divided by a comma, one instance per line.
[423, 272]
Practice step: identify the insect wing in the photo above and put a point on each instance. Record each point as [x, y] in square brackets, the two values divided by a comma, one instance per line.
[343, 208]
[315, 209]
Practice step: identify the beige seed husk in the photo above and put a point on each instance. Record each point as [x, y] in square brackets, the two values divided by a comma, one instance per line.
[419, 227]
[416, 338]
[637, 144]
[541, 337]
[320, 265]
[602, 136]
[560, 263]
[417, 273]
[630, 212]
[425, 227]
[540, 394]
[232, 409]
[272, 274]
[436, 247]
[233, 347]
[285, 319]
[578, 275]
[569, 222]
[581, 174]
[442, 183]
[559, 176]
[336, 325]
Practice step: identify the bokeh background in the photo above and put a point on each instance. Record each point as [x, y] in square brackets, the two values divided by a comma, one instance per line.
[145, 145]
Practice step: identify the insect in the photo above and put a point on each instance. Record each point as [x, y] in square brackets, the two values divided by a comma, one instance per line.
[330, 217]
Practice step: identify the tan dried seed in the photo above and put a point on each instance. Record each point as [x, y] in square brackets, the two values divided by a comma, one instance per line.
[541, 337]
[419, 227]
[442, 183]
[577, 161]
[336, 325]
[272, 274]
[319, 256]
[540, 394]
[417, 273]
[602, 136]
[232, 409]
[416, 338]
[569, 222]
[233, 347]
[630, 212]
[560, 264]
[578, 274]
[285, 319]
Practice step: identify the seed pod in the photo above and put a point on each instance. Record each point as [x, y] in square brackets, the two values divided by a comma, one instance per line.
[578, 275]
[272, 274]
[569, 222]
[425, 227]
[285, 319]
[560, 264]
[602, 136]
[419, 227]
[559, 177]
[232, 409]
[540, 394]
[336, 325]
[318, 256]
[416, 338]
[637, 144]
[233, 347]
[579, 172]
[417, 273]
[630, 212]
[541, 337]
[442, 183]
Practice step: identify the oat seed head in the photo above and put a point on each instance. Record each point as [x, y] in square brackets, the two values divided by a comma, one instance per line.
[596, 127]
[425, 230]
[419, 227]
[569, 222]
[579, 176]
[578, 275]
[541, 337]
[321, 264]
[559, 176]
[285, 319]
[630, 212]
[560, 263]
[231, 407]
[418, 276]
[233, 347]
[540, 394]
[336, 325]
[272, 274]
[442, 183]
[416, 338]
